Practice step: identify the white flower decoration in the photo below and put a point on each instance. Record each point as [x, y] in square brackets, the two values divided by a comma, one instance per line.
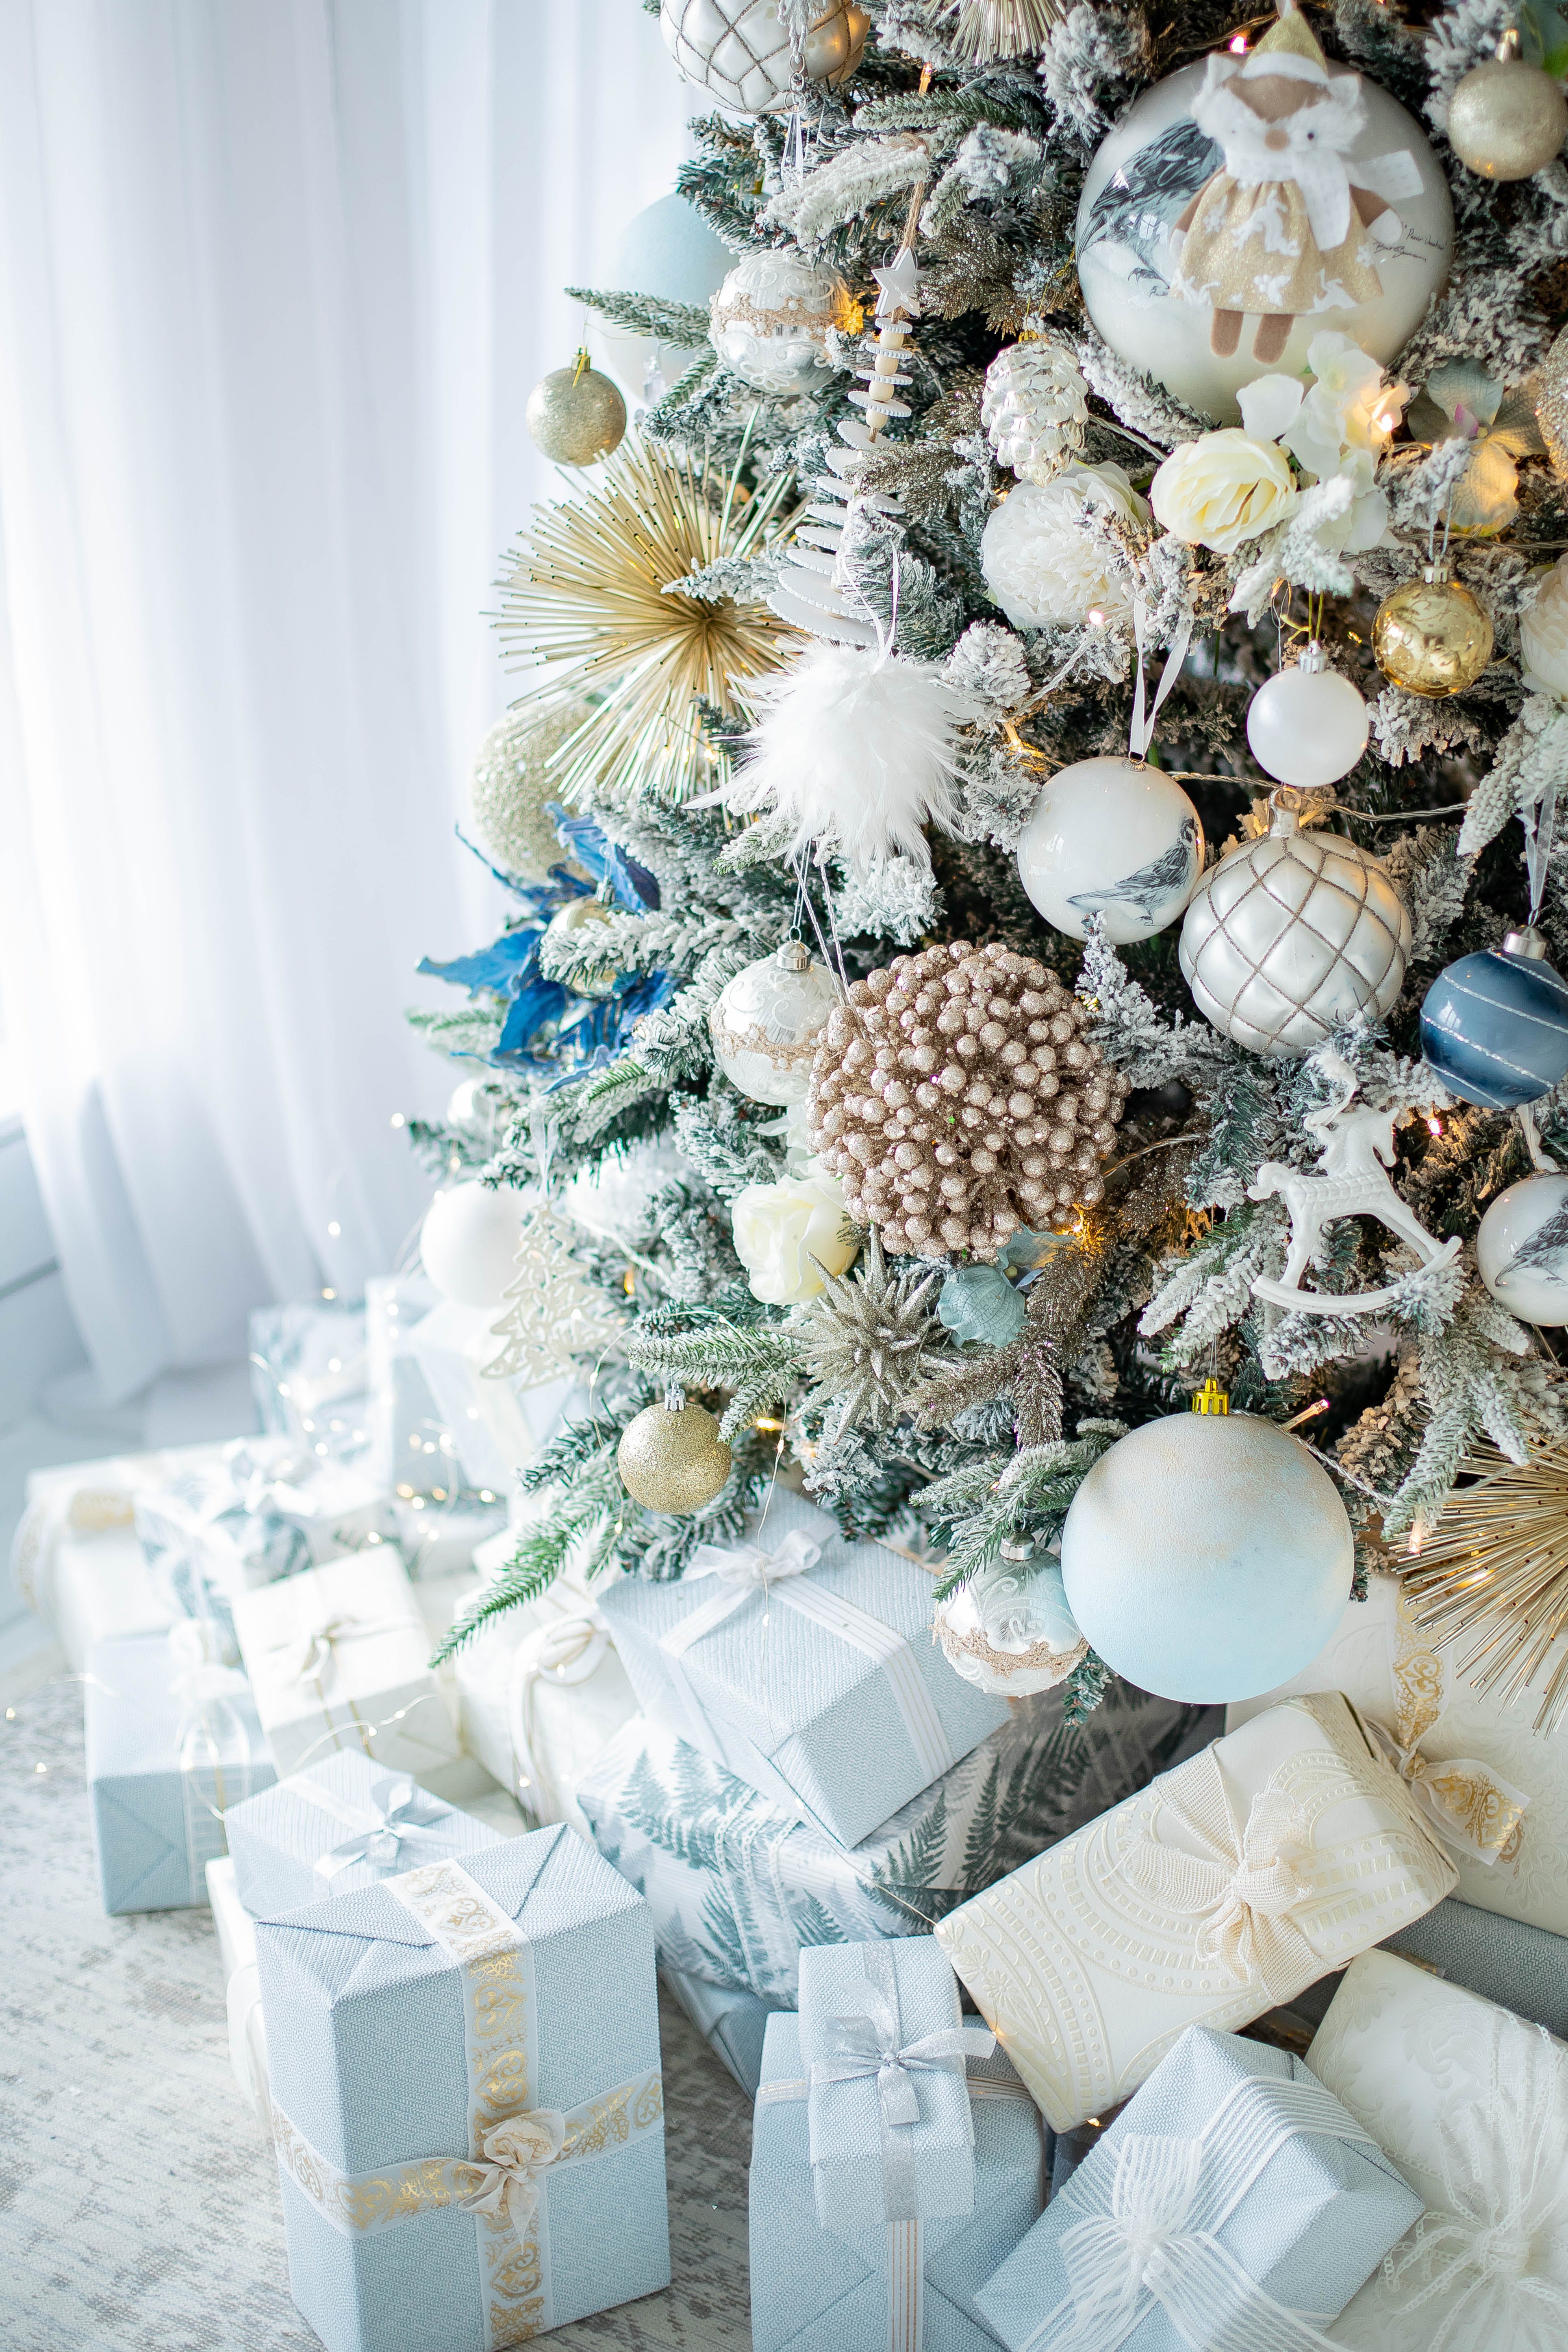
[1046, 564]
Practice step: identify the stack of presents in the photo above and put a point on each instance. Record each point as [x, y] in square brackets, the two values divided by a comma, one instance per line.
[1159, 2032]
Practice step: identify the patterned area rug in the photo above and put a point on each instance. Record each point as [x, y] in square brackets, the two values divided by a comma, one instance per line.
[138, 2206]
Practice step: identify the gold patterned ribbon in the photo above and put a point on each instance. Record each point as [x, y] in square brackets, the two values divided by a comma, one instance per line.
[1474, 1811]
[512, 2145]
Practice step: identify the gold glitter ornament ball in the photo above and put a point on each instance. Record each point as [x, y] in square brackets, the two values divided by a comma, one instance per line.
[1551, 407]
[575, 416]
[1507, 120]
[672, 1462]
[511, 783]
[1432, 636]
[956, 1100]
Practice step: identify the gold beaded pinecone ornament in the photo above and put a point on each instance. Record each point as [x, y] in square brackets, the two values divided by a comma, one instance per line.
[957, 1099]
[1034, 406]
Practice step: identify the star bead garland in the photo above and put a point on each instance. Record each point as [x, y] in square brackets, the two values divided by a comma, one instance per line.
[957, 1099]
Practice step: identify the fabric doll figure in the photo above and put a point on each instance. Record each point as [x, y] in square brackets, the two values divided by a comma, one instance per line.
[1289, 225]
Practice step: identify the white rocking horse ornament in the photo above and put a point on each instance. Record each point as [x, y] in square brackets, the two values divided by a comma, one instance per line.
[1354, 1156]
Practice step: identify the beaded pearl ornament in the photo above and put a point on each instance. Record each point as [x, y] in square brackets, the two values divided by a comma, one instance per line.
[956, 1100]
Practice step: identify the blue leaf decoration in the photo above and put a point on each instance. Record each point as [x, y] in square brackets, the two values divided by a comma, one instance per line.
[632, 886]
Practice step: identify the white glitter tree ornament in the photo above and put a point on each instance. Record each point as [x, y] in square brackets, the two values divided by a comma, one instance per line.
[554, 1319]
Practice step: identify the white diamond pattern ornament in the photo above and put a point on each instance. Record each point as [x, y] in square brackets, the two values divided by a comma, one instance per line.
[1291, 934]
[739, 50]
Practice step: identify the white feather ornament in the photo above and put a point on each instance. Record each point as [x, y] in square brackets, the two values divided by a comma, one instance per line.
[856, 749]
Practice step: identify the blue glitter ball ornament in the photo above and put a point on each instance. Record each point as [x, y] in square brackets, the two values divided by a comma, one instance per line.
[1494, 1026]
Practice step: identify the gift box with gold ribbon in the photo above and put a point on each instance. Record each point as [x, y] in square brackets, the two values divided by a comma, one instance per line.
[467, 2105]
[1223, 1890]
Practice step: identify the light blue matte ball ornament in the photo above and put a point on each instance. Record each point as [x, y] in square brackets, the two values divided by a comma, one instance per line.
[1208, 1557]
[1494, 1026]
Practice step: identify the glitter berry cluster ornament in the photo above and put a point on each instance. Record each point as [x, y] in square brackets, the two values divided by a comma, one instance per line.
[957, 1099]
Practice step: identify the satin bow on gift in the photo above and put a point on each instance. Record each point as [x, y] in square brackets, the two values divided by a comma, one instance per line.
[866, 2043]
[397, 1806]
[513, 2159]
[209, 1730]
[751, 1569]
[567, 1651]
[1150, 2249]
[1243, 1891]
[1473, 1809]
[310, 1656]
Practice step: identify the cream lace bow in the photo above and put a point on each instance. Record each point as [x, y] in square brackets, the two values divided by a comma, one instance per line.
[513, 2159]
[1241, 1888]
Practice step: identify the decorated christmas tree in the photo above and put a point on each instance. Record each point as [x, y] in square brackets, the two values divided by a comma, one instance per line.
[1033, 834]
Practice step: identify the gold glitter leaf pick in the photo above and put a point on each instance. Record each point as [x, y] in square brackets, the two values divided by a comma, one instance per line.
[1491, 1581]
[595, 595]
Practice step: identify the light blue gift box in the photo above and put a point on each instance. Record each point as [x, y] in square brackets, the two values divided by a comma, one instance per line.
[840, 2286]
[342, 1822]
[423, 2031]
[1518, 1966]
[824, 1690]
[1242, 2176]
[167, 1754]
[732, 2024]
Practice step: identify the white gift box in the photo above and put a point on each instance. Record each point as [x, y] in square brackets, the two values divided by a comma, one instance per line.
[1494, 1791]
[540, 1695]
[1224, 1889]
[338, 1657]
[1472, 2106]
[75, 1558]
[246, 2026]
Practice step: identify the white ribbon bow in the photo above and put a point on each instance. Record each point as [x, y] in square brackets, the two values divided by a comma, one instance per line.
[866, 2041]
[1242, 1893]
[749, 1569]
[311, 1656]
[513, 2159]
[394, 1809]
[567, 1650]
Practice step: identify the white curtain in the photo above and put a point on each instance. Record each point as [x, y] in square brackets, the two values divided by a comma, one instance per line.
[276, 276]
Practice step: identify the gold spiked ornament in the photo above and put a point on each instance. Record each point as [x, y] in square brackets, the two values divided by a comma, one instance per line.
[1491, 1580]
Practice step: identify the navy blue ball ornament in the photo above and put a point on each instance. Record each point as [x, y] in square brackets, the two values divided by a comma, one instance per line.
[1494, 1026]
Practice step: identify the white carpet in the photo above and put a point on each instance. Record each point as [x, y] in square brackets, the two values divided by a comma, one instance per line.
[138, 2208]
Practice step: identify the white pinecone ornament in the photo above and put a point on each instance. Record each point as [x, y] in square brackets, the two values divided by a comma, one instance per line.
[1035, 408]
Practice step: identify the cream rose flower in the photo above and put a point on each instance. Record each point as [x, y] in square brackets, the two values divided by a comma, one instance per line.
[1223, 490]
[1044, 562]
[1543, 635]
[787, 1235]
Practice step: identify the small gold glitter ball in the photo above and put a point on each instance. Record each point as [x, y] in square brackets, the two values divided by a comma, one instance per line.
[1432, 637]
[672, 1462]
[1507, 120]
[580, 915]
[1551, 408]
[574, 415]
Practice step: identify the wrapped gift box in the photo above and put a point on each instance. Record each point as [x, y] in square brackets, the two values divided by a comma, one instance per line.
[1264, 2197]
[823, 1688]
[309, 1375]
[242, 1981]
[1523, 1968]
[540, 1695]
[341, 1823]
[485, 2031]
[173, 1739]
[1472, 2104]
[337, 1658]
[1222, 1891]
[732, 2023]
[497, 1425]
[737, 1886]
[1494, 1791]
[825, 2276]
[75, 1558]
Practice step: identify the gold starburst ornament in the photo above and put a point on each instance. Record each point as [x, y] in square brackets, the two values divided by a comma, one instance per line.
[1491, 1580]
[597, 594]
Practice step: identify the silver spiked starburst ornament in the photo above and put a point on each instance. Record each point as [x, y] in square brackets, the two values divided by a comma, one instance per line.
[868, 1340]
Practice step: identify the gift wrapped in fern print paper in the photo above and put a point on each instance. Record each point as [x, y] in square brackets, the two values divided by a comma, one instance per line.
[736, 1887]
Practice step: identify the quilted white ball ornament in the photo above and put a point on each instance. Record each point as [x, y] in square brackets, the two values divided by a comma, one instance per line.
[1292, 934]
[739, 50]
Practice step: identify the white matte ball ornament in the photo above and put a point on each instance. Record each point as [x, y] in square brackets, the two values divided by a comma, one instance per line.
[769, 322]
[468, 1243]
[765, 1023]
[1291, 935]
[1307, 726]
[1208, 1557]
[1111, 837]
[1521, 1249]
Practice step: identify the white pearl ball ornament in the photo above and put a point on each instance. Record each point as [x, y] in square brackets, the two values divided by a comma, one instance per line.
[1307, 726]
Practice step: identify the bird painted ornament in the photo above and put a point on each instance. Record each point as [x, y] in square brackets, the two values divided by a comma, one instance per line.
[1521, 1250]
[1249, 201]
[1111, 837]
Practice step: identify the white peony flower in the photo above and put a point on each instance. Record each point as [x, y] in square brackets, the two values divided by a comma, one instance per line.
[1223, 490]
[787, 1235]
[1543, 634]
[1044, 562]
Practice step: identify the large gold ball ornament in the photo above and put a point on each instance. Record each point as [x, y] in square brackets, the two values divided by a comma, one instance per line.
[1507, 120]
[1432, 636]
[581, 914]
[575, 416]
[672, 1462]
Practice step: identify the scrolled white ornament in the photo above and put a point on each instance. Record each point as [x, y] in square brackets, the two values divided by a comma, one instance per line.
[765, 1023]
[1044, 564]
[1291, 935]
[769, 322]
[1008, 1630]
[1543, 634]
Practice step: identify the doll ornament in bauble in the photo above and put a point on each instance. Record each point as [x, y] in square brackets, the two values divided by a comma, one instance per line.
[1251, 200]
[1111, 837]
[1521, 1249]
[1307, 725]
[1494, 1025]
[766, 1021]
[1208, 1557]
[1291, 935]
[469, 1242]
